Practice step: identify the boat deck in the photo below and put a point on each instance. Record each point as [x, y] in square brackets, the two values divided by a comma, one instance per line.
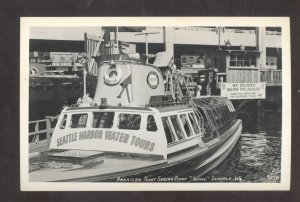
[112, 163]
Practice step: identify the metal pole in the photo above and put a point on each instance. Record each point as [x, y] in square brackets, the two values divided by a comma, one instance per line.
[219, 33]
[84, 81]
[146, 39]
[117, 40]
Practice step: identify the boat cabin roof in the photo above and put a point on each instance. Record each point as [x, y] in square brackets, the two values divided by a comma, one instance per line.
[209, 102]
[172, 108]
[110, 108]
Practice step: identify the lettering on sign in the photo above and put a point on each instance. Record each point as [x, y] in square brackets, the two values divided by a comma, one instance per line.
[243, 90]
[107, 135]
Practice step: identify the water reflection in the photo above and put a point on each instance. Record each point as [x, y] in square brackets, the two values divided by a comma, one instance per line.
[256, 158]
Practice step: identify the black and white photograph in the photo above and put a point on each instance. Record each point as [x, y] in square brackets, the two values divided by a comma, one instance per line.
[155, 104]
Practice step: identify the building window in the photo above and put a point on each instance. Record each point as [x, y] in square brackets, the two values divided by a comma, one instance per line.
[129, 121]
[33, 60]
[78, 120]
[151, 124]
[271, 61]
[103, 119]
[242, 60]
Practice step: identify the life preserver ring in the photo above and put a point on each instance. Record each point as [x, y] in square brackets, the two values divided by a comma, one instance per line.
[82, 58]
[153, 80]
[113, 75]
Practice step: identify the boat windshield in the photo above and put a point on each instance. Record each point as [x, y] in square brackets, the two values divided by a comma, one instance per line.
[186, 125]
[129, 121]
[151, 124]
[63, 122]
[193, 122]
[103, 119]
[176, 126]
[169, 133]
[78, 120]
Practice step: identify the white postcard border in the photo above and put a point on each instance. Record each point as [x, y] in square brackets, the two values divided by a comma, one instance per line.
[27, 22]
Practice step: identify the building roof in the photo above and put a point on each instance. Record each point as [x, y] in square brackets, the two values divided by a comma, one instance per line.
[63, 33]
[56, 45]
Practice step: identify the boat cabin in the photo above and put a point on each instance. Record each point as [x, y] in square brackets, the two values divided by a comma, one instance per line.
[161, 130]
[146, 131]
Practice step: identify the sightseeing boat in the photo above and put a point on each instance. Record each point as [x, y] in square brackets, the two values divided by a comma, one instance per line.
[139, 126]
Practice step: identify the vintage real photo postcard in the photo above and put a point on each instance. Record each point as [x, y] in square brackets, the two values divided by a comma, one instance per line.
[155, 104]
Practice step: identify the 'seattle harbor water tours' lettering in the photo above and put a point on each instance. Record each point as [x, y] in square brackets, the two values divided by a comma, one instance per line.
[109, 136]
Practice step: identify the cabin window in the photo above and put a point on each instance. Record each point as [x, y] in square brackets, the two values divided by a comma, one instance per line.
[78, 120]
[176, 126]
[167, 127]
[151, 124]
[193, 122]
[186, 125]
[212, 117]
[103, 119]
[221, 115]
[225, 114]
[217, 117]
[130, 121]
[229, 108]
[233, 109]
[204, 117]
[63, 122]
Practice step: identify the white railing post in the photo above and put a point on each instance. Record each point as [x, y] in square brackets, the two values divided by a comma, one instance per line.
[271, 75]
[48, 128]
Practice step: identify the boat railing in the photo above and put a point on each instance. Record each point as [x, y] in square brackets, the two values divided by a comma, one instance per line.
[271, 75]
[178, 82]
[208, 117]
[199, 117]
[40, 133]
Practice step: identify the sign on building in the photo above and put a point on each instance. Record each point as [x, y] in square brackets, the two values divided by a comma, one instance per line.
[238, 91]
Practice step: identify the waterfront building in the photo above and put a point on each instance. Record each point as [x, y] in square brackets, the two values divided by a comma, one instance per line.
[241, 54]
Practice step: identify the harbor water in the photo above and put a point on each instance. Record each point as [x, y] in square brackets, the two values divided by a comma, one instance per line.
[257, 156]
